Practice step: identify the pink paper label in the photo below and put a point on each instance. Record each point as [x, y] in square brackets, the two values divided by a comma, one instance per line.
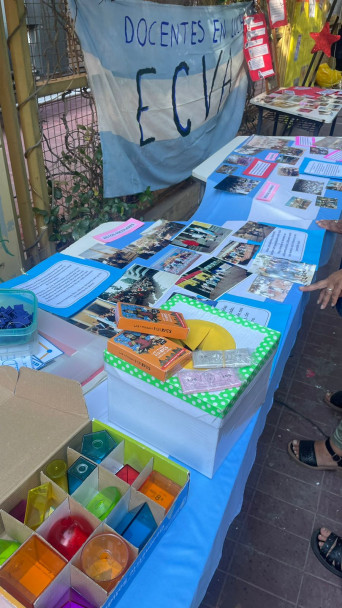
[272, 155]
[267, 192]
[116, 233]
[305, 142]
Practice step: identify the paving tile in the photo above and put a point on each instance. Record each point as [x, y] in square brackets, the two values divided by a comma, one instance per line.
[214, 589]
[332, 482]
[282, 515]
[274, 542]
[281, 461]
[295, 423]
[316, 593]
[266, 573]
[308, 400]
[274, 414]
[330, 505]
[239, 594]
[325, 327]
[267, 434]
[293, 491]
[253, 477]
[235, 527]
[261, 453]
[227, 554]
[282, 437]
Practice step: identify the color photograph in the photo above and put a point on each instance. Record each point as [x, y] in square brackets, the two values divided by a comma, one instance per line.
[328, 203]
[139, 285]
[98, 318]
[308, 186]
[176, 261]
[212, 278]
[253, 231]
[202, 237]
[274, 289]
[238, 253]
[237, 185]
[298, 203]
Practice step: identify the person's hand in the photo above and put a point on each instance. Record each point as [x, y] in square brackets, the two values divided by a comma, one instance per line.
[331, 289]
[331, 225]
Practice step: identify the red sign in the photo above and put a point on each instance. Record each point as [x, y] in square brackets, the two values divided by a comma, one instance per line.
[256, 47]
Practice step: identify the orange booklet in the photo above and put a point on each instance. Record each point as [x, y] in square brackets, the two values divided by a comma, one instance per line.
[154, 355]
[151, 320]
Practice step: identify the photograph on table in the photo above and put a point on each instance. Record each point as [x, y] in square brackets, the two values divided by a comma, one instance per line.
[334, 143]
[328, 203]
[236, 159]
[331, 185]
[163, 229]
[213, 278]
[308, 186]
[274, 289]
[109, 255]
[288, 171]
[202, 237]
[258, 143]
[238, 253]
[176, 261]
[286, 159]
[292, 151]
[253, 231]
[237, 185]
[98, 318]
[154, 239]
[319, 150]
[139, 285]
[298, 203]
[279, 268]
[226, 169]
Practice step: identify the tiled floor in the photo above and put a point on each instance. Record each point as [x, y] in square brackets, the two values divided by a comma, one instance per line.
[267, 561]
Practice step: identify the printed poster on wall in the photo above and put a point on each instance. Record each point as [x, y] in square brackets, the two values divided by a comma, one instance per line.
[169, 84]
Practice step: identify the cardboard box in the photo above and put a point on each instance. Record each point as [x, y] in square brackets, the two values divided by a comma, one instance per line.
[156, 321]
[199, 429]
[154, 355]
[44, 417]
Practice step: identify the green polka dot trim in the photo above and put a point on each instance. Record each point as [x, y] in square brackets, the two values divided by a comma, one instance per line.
[217, 404]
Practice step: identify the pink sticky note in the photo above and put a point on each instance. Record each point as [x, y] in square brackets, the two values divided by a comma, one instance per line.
[119, 231]
[267, 192]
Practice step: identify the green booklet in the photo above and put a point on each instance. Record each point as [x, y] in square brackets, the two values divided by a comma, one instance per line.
[262, 340]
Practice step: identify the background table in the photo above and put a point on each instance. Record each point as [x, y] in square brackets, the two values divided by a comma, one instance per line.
[291, 117]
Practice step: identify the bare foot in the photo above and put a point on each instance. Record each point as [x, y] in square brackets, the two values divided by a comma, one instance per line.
[331, 225]
[322, 536]
[323, 457]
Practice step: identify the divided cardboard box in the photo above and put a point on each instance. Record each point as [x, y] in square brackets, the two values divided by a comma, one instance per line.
[44, 417]
[198, 429]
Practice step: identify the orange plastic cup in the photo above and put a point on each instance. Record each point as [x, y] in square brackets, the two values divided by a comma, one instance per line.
[104, 558]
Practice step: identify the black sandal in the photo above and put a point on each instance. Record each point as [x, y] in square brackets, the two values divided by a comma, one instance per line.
[307, 456]
[334, 400]
[330, 553]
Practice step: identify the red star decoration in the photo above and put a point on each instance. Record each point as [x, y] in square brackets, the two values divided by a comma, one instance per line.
[324, 40]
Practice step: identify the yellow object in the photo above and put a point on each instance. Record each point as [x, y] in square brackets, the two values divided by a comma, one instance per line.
[38, 505]
[326, 77]
[204, 335]
[304, 17]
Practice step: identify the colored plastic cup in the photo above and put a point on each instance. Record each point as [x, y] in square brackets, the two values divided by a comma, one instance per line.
[56, 470]
[104, 558]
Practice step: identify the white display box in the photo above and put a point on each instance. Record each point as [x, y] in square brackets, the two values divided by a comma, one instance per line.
[201, 429]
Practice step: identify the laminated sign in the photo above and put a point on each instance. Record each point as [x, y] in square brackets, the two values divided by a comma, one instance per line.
[256, 47]
[277, 13]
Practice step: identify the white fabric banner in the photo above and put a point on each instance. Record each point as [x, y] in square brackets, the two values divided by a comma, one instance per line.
[169, 86]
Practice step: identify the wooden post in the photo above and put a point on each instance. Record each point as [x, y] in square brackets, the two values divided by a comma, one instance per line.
[15, 149]
[28, 112]
[11, 254]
